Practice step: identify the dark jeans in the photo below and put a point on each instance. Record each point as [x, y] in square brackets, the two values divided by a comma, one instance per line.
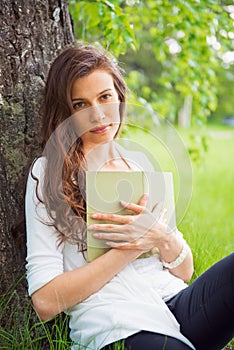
[204, 310]
[149, 341]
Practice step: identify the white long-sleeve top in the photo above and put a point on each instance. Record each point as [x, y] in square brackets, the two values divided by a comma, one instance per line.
[133, 300]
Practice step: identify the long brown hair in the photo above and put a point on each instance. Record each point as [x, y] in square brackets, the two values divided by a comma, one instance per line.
[61, 193]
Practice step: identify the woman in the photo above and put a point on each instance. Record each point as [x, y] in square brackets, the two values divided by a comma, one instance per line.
[144, 302]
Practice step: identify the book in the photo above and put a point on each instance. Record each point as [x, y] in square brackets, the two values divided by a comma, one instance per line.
[105, 189]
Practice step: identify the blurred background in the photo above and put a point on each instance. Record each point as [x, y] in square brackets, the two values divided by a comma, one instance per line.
[178, 55]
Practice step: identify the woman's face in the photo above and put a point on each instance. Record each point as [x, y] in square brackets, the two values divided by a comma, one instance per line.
[95, 108]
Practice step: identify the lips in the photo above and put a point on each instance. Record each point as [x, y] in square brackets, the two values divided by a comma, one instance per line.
[100, 129]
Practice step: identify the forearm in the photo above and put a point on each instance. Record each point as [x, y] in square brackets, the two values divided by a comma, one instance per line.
[71, 288]
[170, 250]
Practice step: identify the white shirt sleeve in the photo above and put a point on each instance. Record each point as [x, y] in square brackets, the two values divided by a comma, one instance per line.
[44, 254]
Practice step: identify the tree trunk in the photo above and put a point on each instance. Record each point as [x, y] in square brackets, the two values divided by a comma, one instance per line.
[184, 118]
[32, 32]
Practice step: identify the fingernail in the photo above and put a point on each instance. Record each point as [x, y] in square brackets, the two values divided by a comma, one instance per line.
[94, 215]
[91, 227]
[146, 196]
[96, 235]
[123, 203]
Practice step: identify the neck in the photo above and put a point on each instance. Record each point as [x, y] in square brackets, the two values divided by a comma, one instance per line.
[101, 155]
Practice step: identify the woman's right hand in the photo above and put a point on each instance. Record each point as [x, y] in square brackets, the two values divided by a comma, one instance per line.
[142, 230]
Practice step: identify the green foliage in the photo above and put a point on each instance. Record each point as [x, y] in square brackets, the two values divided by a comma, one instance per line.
[198, 146]
[103, 21]
[175, 35]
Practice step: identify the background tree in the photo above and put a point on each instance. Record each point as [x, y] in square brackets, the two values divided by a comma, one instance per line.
[32, 32]
[225, 107]
[179, 48]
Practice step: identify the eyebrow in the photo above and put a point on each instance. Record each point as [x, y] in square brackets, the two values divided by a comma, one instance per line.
[83, 99]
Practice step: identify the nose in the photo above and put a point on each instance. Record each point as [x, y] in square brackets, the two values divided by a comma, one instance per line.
[96, 113]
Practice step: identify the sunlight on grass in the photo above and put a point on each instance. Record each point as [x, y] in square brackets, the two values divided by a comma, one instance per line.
[208, 224]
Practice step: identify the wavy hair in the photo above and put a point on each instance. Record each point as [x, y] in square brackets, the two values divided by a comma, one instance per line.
[62, 194]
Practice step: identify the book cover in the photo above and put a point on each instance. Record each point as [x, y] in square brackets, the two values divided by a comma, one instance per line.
[105, 189]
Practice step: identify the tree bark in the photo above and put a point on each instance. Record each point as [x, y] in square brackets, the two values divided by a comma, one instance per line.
[32, 32]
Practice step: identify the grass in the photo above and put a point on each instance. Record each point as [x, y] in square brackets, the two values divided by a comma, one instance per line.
[208, 224]
[208, 227]
[23, 331]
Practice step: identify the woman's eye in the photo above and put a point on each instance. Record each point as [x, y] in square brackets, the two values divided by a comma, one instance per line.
[106, 96]
[78, 105]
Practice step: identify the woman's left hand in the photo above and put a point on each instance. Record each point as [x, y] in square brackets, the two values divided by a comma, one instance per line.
[142, 230]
